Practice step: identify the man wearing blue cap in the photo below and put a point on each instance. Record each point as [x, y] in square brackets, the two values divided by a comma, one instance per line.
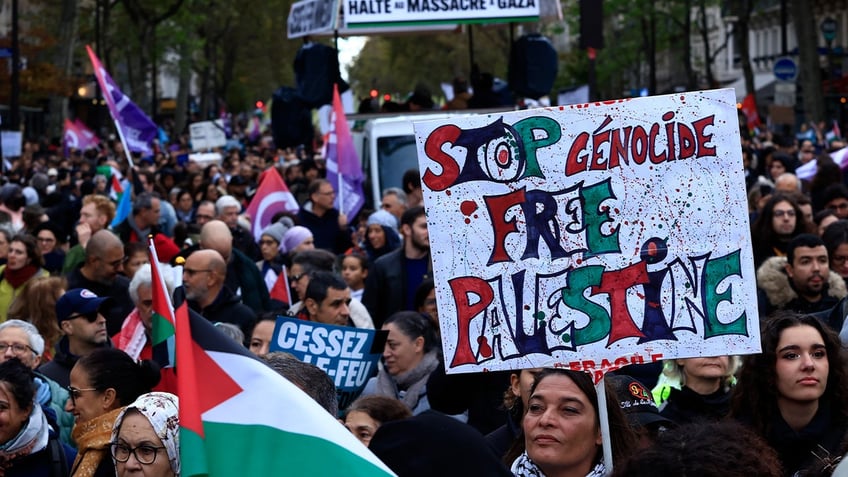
[84, 327]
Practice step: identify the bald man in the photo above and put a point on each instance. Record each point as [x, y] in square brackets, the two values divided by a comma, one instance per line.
[243, 276]
[101, 273]
[203, 279]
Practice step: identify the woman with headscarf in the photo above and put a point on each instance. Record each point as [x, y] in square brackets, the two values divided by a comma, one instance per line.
[381, 236]
[146, 437]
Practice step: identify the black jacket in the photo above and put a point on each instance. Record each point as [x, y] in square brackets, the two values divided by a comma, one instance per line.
[685, 405]
[385, 288]
[59, 368]
[227, 309]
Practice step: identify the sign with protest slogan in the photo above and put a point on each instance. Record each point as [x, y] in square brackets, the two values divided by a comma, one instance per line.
[385, 13]
[348, 355]
[308, 17]
[590, 236]
[207, 135]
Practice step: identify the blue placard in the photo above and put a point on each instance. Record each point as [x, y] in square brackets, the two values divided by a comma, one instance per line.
[348, 355]
[785, 69]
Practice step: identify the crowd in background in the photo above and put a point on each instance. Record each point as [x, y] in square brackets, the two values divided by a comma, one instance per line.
[76, 362]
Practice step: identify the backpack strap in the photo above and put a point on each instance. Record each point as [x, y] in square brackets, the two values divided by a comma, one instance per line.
[58, 459]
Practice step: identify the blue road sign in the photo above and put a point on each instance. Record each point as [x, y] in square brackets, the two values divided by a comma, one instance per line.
[785, 69]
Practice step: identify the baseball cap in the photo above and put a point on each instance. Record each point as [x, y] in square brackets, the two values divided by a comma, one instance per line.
[636, 401]
[78, 301]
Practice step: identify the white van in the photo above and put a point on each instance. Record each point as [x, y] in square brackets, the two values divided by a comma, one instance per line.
[386, 147]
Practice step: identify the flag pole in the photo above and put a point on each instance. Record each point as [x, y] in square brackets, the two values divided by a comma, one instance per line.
[123, 140]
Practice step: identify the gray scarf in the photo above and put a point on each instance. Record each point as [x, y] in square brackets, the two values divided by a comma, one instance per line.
[414, 381]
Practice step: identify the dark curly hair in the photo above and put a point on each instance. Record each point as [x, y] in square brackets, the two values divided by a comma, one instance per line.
[706, 449]
[754, 399]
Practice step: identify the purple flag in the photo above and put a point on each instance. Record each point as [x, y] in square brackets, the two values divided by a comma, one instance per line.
[136, 128]
[342, 160]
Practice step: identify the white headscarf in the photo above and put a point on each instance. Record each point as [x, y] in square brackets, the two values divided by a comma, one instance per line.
[162, 410]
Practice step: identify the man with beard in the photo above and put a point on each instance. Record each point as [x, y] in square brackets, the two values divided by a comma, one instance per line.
[801, 281]
[392, 282]
[203, 280]
[101, 273]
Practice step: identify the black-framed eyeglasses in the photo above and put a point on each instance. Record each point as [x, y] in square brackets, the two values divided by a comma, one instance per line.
[144, 454]
[91, 317]
[192, 272]
[75, 393]
[17, 348]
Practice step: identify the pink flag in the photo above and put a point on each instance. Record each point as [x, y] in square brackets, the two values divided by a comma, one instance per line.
[343, 168]
[271, 197]
[78, 136]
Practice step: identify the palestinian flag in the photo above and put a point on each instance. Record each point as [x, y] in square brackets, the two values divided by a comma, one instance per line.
[162, 337]
[162, 334]
[238, 417]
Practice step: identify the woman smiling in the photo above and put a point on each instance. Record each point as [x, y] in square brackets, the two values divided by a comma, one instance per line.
[562, 431]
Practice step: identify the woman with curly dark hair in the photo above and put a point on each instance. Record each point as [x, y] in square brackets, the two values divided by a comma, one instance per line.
[780, 220]
[795, 393]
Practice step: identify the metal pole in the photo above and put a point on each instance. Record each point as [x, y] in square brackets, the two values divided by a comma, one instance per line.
[470, 47]
[784, 48]
[14, 99]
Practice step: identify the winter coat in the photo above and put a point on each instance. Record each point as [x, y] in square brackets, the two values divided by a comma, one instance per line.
[776, 291]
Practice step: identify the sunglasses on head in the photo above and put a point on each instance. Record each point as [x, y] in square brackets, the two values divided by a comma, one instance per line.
[91, 317]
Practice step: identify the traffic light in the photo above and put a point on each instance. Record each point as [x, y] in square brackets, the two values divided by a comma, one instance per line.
[260, 104]
[387, 97]
[374, 93]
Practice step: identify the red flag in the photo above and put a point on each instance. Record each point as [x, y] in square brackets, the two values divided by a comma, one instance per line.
[749, 108]
[271, 198]
[280, 291]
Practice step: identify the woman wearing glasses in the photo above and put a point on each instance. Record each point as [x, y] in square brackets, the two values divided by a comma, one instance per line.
[28, 446]
[102, 383]
[146, 437]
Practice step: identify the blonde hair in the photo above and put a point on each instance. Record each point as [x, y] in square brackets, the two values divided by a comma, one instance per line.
[36, 303]
[103, 204]
[674, 372]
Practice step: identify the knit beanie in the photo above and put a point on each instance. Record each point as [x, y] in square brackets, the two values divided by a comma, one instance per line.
[294, 237]
[386, 219]
[275, 231]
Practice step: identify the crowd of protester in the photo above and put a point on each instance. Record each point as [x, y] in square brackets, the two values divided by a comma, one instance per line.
[85, 397]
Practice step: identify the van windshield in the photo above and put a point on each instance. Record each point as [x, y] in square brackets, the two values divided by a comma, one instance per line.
[395, 155]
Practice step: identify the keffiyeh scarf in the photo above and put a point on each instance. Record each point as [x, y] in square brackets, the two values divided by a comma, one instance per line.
[524, 467]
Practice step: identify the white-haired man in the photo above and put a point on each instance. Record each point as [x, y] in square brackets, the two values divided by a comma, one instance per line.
[20, 339]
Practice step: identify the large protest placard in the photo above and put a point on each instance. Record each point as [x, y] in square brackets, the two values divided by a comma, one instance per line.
[384, 13]
[590, 236]
[348, 355]
[205, 135]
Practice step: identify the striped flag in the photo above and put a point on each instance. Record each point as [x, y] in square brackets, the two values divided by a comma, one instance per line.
[162, 332]
[272, 196]
[239, 417]
[134, 126]
[343, 168]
